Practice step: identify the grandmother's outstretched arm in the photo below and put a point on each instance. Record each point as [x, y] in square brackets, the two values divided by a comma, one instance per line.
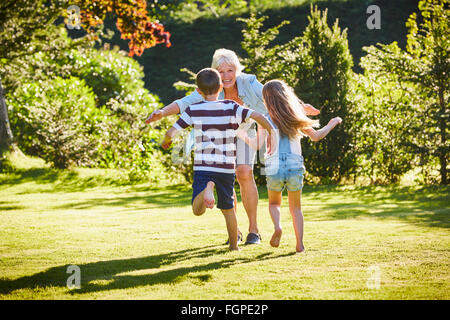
[176, 107]
[158, 114]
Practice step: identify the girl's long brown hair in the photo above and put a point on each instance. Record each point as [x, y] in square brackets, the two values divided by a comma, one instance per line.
[286, 109]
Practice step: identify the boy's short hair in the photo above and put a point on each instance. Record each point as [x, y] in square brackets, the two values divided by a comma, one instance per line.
[208, 81]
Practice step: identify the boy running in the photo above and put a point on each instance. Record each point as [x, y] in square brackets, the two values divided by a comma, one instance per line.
[215, 124]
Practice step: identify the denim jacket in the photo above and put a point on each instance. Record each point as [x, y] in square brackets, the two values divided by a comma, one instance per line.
[249, 91]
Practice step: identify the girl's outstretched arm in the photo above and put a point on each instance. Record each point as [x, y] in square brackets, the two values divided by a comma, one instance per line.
[316, 135]
[310, 110]
[272, 132]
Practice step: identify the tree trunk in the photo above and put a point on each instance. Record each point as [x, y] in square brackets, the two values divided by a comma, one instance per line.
[443, 128]
[6, 136]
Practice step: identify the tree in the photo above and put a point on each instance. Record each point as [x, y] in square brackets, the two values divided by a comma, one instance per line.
[29, 27]
[384, 113]
[426, 63]
[22, 22]
[323, 77]
[133, 22]
[264, 59]
[317, 65]
[6, 136]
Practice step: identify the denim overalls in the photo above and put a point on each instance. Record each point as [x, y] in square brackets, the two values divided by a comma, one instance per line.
[284, 167]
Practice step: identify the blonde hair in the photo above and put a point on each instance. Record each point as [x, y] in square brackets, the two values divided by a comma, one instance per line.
[286, 109]
[222, 56]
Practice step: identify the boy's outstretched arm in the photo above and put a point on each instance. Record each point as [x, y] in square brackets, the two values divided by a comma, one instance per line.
[182, 123]
[258, 117]
[273, 136]
[316, 135]
[255, 143]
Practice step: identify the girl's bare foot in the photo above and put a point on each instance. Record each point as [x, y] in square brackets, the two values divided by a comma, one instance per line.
[208, 197]
[275, 241]
[234, 249]
[300, 249]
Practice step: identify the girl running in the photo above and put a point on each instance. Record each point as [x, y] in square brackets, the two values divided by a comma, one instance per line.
[284, 167]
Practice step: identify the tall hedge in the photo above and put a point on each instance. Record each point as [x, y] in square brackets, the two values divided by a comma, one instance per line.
[323, 80]
[317, 64]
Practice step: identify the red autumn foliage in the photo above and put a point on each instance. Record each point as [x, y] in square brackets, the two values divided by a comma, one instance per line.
[133, 22]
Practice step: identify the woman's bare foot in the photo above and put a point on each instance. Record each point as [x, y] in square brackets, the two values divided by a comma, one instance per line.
[275, 241]
[300, 249]
[208, 197]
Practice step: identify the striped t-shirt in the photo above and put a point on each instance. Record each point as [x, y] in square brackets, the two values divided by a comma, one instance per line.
[215, 125]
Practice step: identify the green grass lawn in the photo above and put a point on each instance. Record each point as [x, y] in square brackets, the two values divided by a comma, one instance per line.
[139, 242]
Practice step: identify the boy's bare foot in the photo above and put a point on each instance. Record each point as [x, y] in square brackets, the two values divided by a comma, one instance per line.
[300, 249]
[234, 249]
[208, 197]
[275, 241]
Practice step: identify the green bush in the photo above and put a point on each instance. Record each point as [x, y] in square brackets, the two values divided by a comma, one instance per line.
[117, 82]
[265, 59]
[323, 81]
[385, 112]
[318, 66]
[148, 162]
[94, 117]
[56, 120]
[5, 165]
[110, 74]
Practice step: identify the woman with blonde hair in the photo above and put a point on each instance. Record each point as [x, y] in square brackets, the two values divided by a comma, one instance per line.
[284, 167]
[246, 90]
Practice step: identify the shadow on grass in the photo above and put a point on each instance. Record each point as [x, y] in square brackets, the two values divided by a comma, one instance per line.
[5, 206]
[64, 180]
[107, 275]
[429, 205]
[57, 181]
[162, 197]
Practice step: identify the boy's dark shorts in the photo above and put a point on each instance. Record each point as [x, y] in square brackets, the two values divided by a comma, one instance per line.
[224, 187]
